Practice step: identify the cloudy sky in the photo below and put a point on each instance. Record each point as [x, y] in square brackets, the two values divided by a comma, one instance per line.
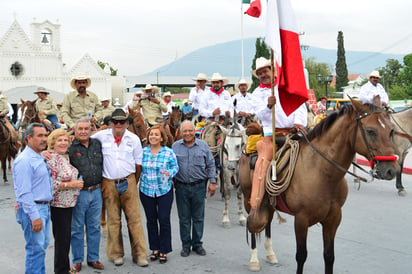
[137, 36]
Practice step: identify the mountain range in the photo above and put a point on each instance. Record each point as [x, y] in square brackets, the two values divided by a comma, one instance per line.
[225, 58]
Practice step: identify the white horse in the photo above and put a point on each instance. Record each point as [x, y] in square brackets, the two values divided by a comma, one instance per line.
[233, 141]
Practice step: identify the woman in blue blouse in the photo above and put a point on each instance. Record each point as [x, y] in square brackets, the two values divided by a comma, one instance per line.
[156, 194]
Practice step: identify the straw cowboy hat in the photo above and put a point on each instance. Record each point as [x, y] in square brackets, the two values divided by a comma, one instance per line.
[243, 81]
[41, 90]
[119, 115]
[150, 87]
[200, 77]
[168, 93]
[185, 101]
[80, 76]
[217, 77]
[374, 73]
[105, 99]
[261, 62]
[155, 120]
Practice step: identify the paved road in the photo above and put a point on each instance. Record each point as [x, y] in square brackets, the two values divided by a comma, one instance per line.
[374, 237]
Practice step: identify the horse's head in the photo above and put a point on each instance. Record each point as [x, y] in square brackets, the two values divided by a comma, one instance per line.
[234, 140]
[372, 139]
[175, 117]
[28, 113]
[137, 125]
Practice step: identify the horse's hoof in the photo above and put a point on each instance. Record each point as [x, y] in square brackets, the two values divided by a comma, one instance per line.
[272, 259]
[254, 266]
[402, 192]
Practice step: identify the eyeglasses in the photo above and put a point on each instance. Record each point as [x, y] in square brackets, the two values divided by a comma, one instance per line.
[119, 122]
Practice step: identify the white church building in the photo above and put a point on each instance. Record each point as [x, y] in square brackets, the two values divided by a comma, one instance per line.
[27, 62]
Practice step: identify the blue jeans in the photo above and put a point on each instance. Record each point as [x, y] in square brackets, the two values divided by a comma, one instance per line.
[121, 187]
[87, 213]
[36, 242]
[54, 120]
[157, 210]
[190, 201]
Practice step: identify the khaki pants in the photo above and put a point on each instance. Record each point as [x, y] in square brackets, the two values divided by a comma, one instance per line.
[130, 203]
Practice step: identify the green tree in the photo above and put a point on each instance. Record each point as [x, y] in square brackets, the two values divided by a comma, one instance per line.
[341, 69]
[113, 72]
[405, 75]
[397, 92]
[390, 73]
[261, 51]
[314, 69]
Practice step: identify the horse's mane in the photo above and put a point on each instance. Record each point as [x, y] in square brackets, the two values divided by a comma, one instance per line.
[326, 123]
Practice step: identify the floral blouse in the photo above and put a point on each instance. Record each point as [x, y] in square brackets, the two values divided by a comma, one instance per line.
[62, 171]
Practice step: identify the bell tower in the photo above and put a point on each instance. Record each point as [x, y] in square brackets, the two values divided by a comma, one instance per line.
[46, 35]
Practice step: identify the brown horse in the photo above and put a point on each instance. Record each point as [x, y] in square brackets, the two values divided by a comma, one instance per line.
[318, 189]
[137, 125]
[5, 142]
[172, 126]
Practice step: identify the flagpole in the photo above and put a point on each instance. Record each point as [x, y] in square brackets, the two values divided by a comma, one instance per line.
[272, 76]
[241, 35]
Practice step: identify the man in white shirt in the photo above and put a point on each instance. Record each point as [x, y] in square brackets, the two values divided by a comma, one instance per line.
[122, 165]
[372, 92]
[197, 92]
[263, 102]
[216, 101]
[242, 101]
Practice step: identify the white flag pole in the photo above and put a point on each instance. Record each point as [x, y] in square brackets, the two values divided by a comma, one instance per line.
[241, 35]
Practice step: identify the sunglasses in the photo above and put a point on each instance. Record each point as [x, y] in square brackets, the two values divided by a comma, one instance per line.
[119, 122]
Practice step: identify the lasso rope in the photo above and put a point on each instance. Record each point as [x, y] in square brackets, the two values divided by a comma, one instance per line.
[275, 188]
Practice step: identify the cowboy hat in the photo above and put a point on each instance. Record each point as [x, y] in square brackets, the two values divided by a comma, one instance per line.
[80, 76]
[154, 120]
[185, 101]
[59, 104]
[150, 87]
[41, 90]
[168, 93]
[374, 73]
[139, 92]
[243, 81]
[261, 62]
[200, 77]
[217, 77]
[119, 115]
[105, 99]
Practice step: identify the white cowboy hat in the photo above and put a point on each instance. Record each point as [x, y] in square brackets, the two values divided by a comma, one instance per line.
[150, 87]
[243, 81]
[261, 62]
[80, 76]
[168, 93]
[41, 90]
[200, 77]
[105, 99]
[374, 73]
[185, 101]
[217, 77]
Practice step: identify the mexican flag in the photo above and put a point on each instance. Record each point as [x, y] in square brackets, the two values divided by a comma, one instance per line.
[255, 8]
[283, 37]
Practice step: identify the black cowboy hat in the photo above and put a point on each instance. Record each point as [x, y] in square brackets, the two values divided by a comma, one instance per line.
[119, 115]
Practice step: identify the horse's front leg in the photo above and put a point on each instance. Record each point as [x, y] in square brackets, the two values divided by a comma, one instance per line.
[254, 264]
[242, 218]
[4, 168]
[329, 227]
[226, 194]
[301, 232]
[399, 186]
[270, 254]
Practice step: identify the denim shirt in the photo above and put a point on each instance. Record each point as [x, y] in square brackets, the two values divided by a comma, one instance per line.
[195, 162]
[88, 160]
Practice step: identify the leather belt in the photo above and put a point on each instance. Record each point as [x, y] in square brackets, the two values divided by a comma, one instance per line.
[42, 202]
[191, 183]
[91, 188]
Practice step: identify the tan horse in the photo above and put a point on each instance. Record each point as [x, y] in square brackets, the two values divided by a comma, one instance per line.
[318, 189]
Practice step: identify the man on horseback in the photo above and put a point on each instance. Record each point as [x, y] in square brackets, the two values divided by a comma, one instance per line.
[242, 101]
[217, 101]
[46, 107]
[151, 103]
[80, 102]
[284, 124]
[167, 99]
[106, 110]
[372, 92]
[197, 92]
